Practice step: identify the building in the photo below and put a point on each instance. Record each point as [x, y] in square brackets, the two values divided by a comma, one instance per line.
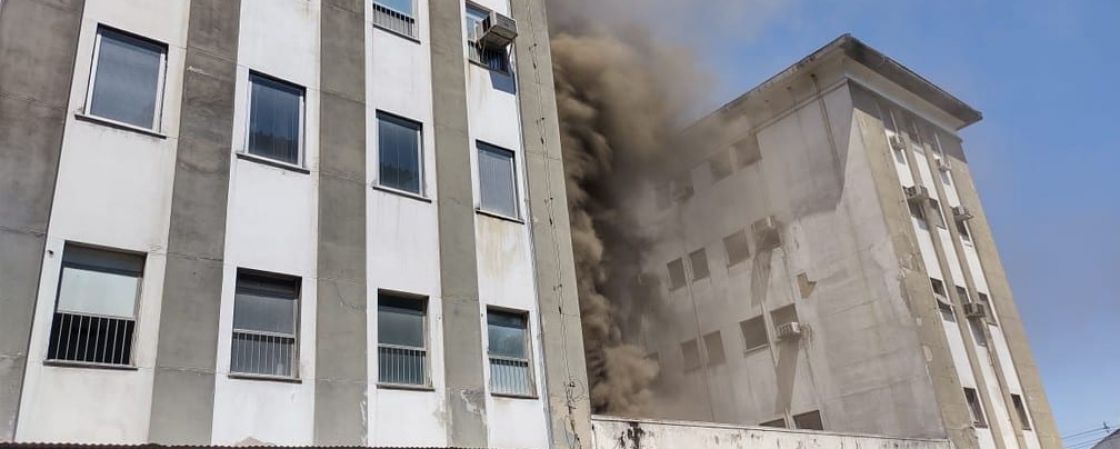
[826, 263]
[1112, 441]
[286, 222]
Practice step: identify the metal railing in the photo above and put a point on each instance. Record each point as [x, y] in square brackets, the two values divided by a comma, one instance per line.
[495, 59]
[510, 376]
[402, 365]
[393, 20]
[262, 354]
[91, 339]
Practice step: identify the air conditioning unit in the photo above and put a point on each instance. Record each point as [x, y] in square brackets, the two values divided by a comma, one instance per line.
[917, 193]
[975, 310]
[496, 31]
[789, 331]
[896, 143]
[944, 165]
[766, 232]
[961, 213]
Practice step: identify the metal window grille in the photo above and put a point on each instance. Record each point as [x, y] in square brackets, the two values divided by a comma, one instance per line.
[402, 365]
[510, 375]
[265, 322]
[92, 339]
[262, 354]
[394, 21]
[496, 59]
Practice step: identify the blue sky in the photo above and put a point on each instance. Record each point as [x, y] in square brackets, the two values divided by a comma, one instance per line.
[1046, 157]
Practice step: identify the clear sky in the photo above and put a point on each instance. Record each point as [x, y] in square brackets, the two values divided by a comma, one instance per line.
[1046, 157]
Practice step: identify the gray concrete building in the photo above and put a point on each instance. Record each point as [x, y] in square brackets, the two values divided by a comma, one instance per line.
[825, 263]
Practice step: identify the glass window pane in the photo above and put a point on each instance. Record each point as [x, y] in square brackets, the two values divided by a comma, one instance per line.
[399, 324]
[473, 17]
[403, 6]
[507, 335]
[274, 120]
[496, 180]
[98, 292]
[399, 155]
[265, 305]
[126, 83]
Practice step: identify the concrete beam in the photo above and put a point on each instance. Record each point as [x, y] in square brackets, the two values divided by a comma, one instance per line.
[38, 45]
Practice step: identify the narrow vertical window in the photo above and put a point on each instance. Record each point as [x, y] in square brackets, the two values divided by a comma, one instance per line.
[713, 344]
[699, 261]
[95, 310]
[399, 154]
[939, 215]
[126, 84]
[510, 370]
[275, 119]
[962, 229]
[497, 180]
[402, 343]
[1021, 410]
[265, 317]
[690, 350]
[397, 16]
[720, 165]
[491, 57]
[975, 409]
[676, 274]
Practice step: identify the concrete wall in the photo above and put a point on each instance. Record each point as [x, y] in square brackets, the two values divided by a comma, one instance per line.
[614, 433]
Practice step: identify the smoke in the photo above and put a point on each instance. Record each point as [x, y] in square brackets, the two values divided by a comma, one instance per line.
[622, 95]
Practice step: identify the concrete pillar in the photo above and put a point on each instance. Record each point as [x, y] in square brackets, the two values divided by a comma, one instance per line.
[341, 382]
[458, 263]
[38, 44]
[565, 372]
[183, 390]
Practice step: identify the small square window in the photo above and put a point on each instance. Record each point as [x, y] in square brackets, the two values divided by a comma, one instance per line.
[510, 369]
[691, 352]
[126, 84]
[497, 180]
[713, 344]
[720, 165]
[95, 312]
[809, 421]
[402, 340]
[699, 261]
[400, 159]
[748, 151]
[265, 320]
[975, 409]
[737, 246]
[754, 333]
[784, 315]
[275, 120]
[676, 274]
[1021, 410]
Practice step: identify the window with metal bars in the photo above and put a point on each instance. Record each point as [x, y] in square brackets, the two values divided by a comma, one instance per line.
[511, 373]
[95, 311]
[402, 343]
[493, 58]
[397, 16]
[265, 319]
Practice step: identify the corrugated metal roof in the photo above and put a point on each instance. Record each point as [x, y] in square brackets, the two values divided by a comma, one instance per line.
[41, 445]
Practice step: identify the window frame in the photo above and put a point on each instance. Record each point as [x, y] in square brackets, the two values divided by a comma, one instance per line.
[161, 80]
[975, 408]
[131, 362]
[421, 166]
[761, 321]
[506, 66]
[529, 360]
[732, 238]
[294, 371]
[301, 159]
[413, 17]
[722, 358]
[481, 146]
[1020, 406]
[692, 257]
[424, 304]
[674, 286]
[699, 362]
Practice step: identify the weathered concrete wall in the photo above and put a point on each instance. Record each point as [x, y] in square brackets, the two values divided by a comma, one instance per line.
[462, 325]
[615, 433]
[565, 373]
[38, 43]
[183, 387]
[341, 382]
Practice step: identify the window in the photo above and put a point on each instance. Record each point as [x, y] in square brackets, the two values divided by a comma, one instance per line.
[939, 216]
[397, 16]
[508, 334]
[720, 165]
[918, 213]
[975, 410]
[497, 180]
[275, 119]
[713, 344]
[962, 293]
[962, 229]
[265, 316]
[699, 261]
[95, 311]
[939, 291]
[784, 315]
[1021, 409]
[399, 154]
[748, 151]
[676, 274]
[976, 326]
[691, 352]
[126, 84]
[988, 305]
[809, 421]
[779, 423]
[754, 333]
[737, 247]
[402, 343]
[492, 58]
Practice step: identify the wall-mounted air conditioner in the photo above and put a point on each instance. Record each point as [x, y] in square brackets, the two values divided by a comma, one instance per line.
[917, 193]
[961, 213]
[766, 232]
[789, 331]
[496, 31]
[896, 143]
[975, 310]
[944, 165]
